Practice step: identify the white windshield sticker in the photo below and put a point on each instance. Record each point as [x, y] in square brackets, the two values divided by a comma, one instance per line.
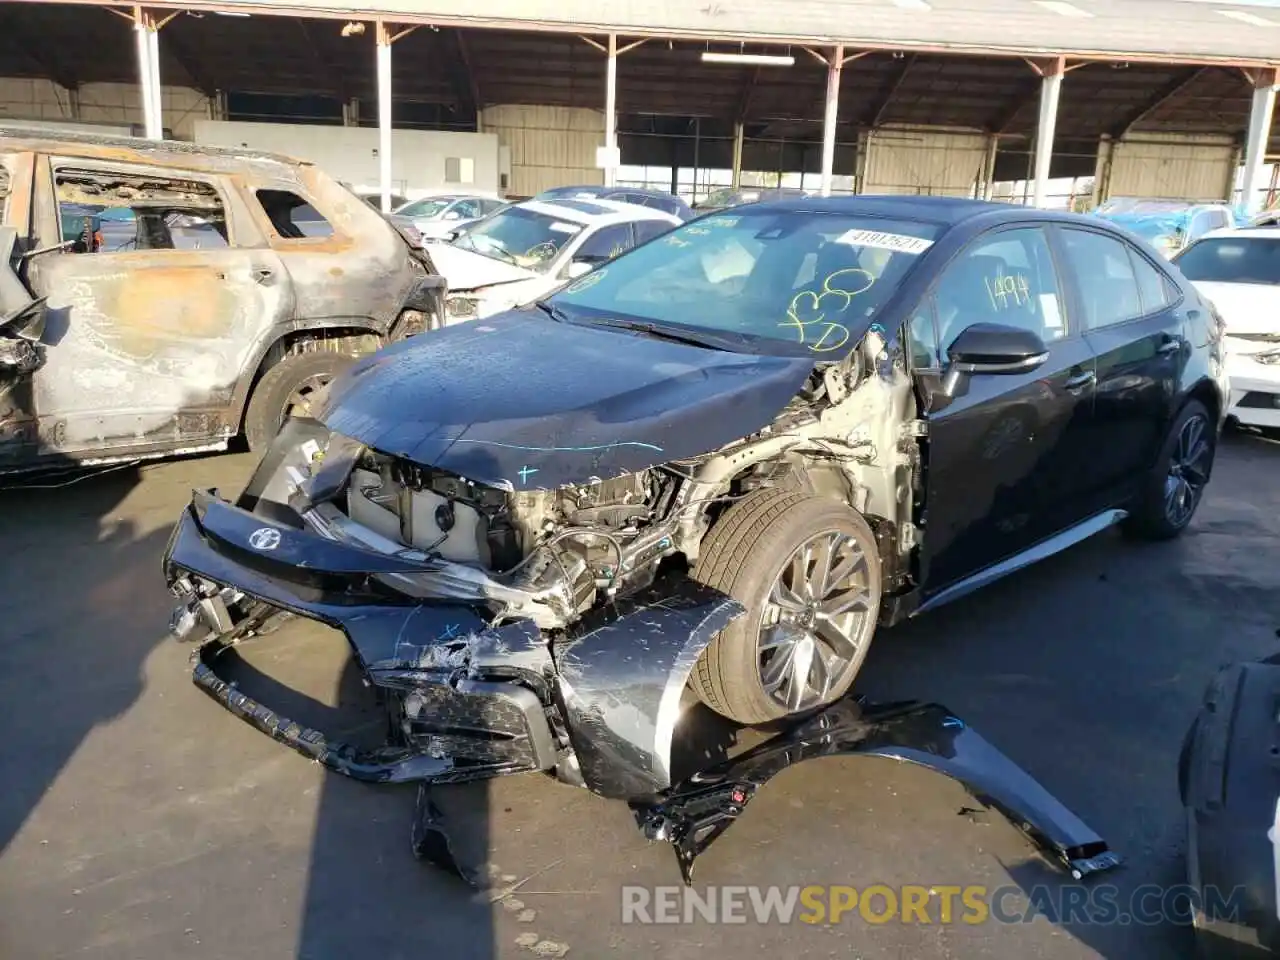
[721, 222]
[885, 241]
[561, 227]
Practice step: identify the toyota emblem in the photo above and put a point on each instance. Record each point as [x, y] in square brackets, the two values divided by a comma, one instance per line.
[265, 538]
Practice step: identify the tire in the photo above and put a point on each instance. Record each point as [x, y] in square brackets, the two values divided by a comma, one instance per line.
[274, 394]
[1161, 512]
[750, 548]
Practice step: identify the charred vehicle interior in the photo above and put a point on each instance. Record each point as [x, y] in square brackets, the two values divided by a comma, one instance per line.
[714, 465]
[182, 305]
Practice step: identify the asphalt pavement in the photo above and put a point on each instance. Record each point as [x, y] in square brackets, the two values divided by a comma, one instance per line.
[139, 820]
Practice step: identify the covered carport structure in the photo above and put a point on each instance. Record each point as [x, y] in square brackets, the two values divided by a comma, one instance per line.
[1154, 97]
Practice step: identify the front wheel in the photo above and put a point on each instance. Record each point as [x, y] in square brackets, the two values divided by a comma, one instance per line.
[1173, 490]
[807, 570]
[285, 390]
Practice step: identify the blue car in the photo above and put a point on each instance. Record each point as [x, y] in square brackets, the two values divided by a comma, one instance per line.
[1168, 225]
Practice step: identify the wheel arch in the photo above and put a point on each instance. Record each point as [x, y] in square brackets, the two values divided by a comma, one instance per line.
[340, 335]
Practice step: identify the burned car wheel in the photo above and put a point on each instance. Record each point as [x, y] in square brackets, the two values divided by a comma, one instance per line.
[285, 390]
[807, 569]
[1173, 491]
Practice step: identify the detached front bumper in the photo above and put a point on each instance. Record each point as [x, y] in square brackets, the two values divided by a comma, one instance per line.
[464, 700]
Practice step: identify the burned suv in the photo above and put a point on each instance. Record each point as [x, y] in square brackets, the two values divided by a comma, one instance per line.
[717, 462]
[189, 294]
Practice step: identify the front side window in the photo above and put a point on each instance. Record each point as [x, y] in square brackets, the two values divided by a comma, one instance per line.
[518, 235]
[605, 244]
[787, 282]
[427, 209]
[1233, 260]
[1105, 272]
[162, 212]
[648, 229]
[1006, 278]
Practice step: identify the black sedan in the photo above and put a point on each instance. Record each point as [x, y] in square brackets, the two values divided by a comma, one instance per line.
[720, 461]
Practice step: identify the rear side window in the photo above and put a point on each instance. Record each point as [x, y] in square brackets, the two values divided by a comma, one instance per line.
[1154, 288]
[292, 217]
[1105, 274]
[107, 211]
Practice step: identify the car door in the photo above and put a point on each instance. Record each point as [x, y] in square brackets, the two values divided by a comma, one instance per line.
[1128, 308]
[149, 322]
[1002, 450]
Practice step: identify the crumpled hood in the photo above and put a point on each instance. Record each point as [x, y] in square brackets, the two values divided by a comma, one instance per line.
[466, 270]
[1247, 308]
[523, 401]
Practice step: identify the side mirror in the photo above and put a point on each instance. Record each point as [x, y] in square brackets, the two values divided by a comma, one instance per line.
[993, 349]
[579, 268]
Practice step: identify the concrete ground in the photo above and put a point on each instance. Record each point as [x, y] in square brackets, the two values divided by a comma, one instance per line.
[139, 820]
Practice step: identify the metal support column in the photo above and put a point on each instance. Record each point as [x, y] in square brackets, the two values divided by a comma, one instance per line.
[738, 135]
[829, 116]
[148, 73]
[989, 167]
[1050, 93]
[153, 41]
[1255, 151]
[611, 112]
[384, 115]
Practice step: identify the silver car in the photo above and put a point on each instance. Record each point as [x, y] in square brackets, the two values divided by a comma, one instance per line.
[438, 216]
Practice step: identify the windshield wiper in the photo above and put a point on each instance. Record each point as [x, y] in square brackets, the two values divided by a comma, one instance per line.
[552, 311]
[663, 333]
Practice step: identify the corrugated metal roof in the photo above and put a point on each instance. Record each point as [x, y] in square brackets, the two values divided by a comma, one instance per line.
[1183, 30]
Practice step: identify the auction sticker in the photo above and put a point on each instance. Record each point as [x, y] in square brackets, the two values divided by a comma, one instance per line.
[885, 241]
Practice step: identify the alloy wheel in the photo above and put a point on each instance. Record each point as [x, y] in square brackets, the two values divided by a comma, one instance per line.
[816, 622]
[1188, 471]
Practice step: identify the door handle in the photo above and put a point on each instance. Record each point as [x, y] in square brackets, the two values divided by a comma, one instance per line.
[1080, 380]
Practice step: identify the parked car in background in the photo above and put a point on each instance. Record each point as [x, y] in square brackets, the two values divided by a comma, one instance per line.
[1239, 270]
[186, 300]
[640, 196]
[729, 197]
[1168, 225]
[723, 461]
[525, 250]
[437, 217]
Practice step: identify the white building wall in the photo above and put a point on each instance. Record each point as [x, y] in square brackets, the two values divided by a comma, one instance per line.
[1173, 166]
[114, 107]
[906, 160]
[418, 157]
[548, 146]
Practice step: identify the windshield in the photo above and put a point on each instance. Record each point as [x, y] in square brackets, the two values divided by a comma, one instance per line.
[787, 282]
[1232, 260]
[425, 209]
[521, 236]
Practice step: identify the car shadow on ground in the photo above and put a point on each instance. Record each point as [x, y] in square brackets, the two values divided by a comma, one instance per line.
[72, 651]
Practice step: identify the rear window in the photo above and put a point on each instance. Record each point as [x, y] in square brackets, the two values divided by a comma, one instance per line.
[292, 217]
[1232, 260]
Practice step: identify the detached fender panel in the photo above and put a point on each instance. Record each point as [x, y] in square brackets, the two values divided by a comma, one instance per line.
[621, 685]
[700, 809]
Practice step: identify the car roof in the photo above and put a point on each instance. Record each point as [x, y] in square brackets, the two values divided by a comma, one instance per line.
[1249, 233]
[945, 211]
[597, 210]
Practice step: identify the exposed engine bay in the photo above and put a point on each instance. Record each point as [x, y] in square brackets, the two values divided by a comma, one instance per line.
[549, 555]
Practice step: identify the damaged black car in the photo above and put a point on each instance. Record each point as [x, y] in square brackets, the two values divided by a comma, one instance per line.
[716, 464]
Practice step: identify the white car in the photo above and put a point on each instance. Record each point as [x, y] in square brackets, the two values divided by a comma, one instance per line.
[1239, 270]
[528, 249]
[436, 217]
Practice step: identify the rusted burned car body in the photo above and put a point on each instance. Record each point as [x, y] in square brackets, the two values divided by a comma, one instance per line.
[176, 277]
